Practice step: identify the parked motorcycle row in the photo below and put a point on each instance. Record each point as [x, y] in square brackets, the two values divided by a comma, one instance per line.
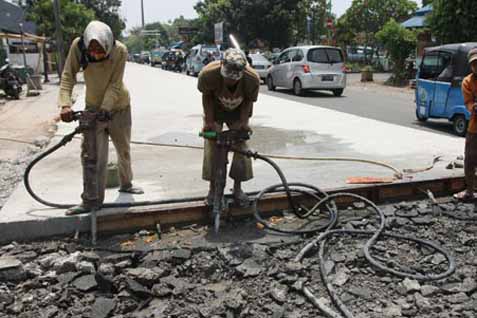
[10, 82]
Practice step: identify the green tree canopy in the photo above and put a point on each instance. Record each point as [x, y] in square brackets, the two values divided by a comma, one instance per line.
[107, 11]
[272, 21]
[74, 18]
[367, 17]
[454, 21]
[399, 42]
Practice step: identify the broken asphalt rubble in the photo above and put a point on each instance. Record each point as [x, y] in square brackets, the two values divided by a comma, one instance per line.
[65, 279]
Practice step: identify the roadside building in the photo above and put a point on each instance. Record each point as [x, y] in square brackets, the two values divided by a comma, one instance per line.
[11, 16]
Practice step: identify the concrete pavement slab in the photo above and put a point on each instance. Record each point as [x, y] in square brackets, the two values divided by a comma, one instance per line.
[167, 109]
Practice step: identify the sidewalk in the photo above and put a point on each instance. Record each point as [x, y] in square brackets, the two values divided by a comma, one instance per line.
[26, 125]
[167, 109]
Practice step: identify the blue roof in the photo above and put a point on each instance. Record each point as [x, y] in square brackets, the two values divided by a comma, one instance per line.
[415, 22]
[419, 20]
[424, 10]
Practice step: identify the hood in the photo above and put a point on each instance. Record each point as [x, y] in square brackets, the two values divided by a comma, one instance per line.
[100, 32]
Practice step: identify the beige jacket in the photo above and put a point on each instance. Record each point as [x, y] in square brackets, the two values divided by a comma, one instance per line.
[104, 80]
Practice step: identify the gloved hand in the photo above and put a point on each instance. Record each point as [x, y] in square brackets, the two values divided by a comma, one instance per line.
[244, 126]
[66, 114]
[208, 126]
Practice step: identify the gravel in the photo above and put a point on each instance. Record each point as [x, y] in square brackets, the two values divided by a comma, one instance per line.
[249, 279]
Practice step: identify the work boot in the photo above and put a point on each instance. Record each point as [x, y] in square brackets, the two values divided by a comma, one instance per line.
[78, 209]
[465, 196]
[129, 188]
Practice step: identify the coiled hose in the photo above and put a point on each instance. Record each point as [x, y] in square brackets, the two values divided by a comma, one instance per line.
[325, 203]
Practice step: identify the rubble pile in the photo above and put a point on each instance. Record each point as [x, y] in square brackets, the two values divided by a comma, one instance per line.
[249, 279]
[11, 171]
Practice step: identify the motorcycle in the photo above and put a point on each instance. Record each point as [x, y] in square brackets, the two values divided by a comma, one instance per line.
[9, 81]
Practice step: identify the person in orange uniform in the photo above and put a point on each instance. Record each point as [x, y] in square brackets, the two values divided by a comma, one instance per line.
[469, 90]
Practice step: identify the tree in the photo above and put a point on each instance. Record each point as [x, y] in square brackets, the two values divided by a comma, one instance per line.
[107, 11]
[317, 13]
[271, 21]
[399, 42]
[74, 18]
[369, 16]
[454, 21]
[135, 41]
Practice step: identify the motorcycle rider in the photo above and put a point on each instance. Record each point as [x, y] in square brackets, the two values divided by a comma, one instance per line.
[103, 60]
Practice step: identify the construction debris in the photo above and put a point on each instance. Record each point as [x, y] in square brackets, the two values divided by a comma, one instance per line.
[192, 275]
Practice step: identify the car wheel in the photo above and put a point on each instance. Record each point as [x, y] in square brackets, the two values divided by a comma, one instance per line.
[420, 117]
[270, 85]
[297, 88]
[338, 92]
[460, 125]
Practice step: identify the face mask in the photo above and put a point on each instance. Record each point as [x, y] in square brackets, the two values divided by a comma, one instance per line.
[98, 56]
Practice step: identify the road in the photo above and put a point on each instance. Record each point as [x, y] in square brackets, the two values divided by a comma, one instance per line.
[374, 101]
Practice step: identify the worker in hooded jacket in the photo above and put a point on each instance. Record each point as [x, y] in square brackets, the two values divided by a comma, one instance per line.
[103, 61]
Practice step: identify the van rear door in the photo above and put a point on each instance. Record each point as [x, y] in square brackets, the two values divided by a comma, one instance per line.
[326, 63]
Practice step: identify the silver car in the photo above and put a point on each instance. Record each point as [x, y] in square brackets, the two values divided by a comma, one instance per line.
[309, 68]
[261, 65]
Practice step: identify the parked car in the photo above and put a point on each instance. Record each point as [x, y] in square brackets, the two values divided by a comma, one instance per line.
[261, 65]
[438, 85]
[199, 56]
[145, 57]
[156, 56]
[309, 68]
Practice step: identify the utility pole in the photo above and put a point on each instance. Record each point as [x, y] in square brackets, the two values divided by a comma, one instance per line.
[20, 25]
[59, 37]
[142, 13]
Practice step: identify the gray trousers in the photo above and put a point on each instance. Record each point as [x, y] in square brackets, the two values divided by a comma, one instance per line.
[119, 129]
[241, 169]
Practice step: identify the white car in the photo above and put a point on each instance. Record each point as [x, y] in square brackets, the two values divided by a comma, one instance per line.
[261, 65]
[198, 55]
[309, 68]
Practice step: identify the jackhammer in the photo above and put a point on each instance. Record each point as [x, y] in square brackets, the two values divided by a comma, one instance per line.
[87, 124]
[224, 143]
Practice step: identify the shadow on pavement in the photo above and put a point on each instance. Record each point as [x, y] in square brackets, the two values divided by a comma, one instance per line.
[438, 126]
[310, 93]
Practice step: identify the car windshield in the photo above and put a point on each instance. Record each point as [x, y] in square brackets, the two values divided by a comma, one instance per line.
[325, 55]
[209, 49]
[259, 58]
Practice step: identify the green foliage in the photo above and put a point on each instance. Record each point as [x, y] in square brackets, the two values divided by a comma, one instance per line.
[107, 11]
[365, 18]
[274, 22]
[399, 42]
[454, 21]
[167, 34]
[74, 18]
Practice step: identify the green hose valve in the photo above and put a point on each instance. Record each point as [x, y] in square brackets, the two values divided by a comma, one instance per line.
[208, 134]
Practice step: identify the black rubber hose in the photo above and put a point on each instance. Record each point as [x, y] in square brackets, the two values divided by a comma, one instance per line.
[323, 239]
[66, 139]
[26, 177]
[315, 194]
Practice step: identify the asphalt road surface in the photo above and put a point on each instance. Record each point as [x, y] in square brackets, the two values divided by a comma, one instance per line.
[374, 101]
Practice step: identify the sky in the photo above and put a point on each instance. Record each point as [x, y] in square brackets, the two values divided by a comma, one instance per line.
[165, 10]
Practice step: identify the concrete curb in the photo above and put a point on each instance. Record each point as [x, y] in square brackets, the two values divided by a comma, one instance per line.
[131, 219]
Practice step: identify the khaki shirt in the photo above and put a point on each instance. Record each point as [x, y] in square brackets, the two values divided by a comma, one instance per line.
[211, 83]
[105, 89]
